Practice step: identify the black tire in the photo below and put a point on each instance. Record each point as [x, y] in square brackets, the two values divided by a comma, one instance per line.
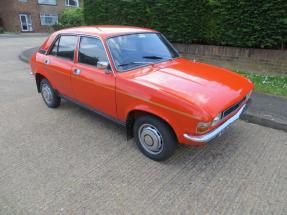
[49, 96]
[147, 131]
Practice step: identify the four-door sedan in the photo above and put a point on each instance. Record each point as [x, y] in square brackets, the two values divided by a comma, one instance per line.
[136, 78]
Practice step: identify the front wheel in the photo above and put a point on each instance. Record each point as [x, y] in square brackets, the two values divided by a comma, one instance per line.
[154, 138]
[49, 96]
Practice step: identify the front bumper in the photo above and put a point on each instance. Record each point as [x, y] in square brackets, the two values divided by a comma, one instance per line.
[209, 136]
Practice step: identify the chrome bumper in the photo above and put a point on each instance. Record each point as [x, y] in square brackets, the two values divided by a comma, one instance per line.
[209, 136]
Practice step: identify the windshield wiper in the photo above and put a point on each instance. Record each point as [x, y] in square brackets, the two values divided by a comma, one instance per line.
[154, 57]
[131, 63]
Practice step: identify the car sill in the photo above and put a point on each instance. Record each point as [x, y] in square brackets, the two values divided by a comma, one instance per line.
[121, 123]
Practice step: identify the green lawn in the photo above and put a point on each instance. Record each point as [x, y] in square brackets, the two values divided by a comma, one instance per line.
[276, 85]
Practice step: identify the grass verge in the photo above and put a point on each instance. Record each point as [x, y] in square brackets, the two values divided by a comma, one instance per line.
[276, 85]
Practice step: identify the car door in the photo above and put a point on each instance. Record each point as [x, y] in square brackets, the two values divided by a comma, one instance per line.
[93, 86]
[59, 63]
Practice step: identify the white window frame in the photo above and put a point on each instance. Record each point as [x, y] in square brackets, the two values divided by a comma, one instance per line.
[28, 22]
[51, 15]
[47, 3]
[67, 3]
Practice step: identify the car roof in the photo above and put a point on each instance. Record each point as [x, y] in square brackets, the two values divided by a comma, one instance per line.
[105, 30]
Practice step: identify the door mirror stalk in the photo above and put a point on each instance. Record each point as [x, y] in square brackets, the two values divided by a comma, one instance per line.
[104, 65]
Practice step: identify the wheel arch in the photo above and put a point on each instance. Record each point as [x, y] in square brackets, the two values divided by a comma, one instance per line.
[39, 77]
[136, 113]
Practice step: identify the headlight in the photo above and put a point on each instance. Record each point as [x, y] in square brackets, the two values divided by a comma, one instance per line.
[216, 119]
[202, 127]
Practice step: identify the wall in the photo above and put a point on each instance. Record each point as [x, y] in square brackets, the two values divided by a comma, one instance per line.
[10, 10]
[8, 15]
[243, 59]
[58, 8]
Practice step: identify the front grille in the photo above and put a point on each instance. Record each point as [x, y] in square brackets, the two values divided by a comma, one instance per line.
[232, 108]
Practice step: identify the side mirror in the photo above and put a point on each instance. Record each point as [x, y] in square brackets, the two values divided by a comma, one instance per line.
[104, 65]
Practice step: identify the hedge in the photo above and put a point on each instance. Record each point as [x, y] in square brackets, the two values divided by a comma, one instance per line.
[70, 17]
[242, 23]
[252, 23]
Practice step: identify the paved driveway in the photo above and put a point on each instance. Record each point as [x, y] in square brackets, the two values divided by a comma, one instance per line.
[70, 161]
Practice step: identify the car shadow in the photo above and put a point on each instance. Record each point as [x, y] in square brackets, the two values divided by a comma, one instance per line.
[211, 154]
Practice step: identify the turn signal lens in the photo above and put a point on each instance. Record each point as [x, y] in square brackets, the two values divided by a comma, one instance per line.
[202, 127]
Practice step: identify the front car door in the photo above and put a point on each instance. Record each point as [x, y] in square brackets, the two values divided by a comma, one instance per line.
[93, 87]
[59, 63]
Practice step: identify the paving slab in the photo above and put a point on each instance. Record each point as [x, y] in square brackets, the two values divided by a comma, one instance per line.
[22, 35]
[70, 161]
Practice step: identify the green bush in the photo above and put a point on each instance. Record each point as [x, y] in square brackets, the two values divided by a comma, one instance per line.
[2, 30]
[243, 23]
[70, 18]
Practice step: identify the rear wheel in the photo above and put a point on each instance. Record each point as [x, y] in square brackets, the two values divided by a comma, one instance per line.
[154, 138]
[49, 96]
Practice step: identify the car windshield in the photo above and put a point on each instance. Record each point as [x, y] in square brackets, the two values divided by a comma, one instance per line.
[140, 49]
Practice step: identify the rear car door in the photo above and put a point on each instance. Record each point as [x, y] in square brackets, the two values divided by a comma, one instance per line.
[93, 86]
[59, 63]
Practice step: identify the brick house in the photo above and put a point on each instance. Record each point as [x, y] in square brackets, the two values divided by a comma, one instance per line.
[32, 15]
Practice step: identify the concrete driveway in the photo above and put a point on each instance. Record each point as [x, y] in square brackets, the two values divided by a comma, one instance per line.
[70, 161]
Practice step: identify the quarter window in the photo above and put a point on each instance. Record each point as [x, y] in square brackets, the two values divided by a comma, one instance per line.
[91, 51]
[64, 47]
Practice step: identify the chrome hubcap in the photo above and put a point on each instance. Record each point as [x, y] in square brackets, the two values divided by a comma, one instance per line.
[150, 138]
[47, 93]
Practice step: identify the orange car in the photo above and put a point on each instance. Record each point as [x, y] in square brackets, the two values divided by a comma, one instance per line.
[136, 78]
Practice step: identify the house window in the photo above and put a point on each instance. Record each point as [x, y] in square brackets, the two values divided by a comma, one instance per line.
[26, 22]
[72, 3]
[49, 2]
[23, 0]
[48, 19]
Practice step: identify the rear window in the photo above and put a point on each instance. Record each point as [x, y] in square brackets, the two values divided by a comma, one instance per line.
[64, 47]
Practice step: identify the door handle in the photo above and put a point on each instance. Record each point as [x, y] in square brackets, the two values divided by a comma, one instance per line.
[47, 61]
[77, 71]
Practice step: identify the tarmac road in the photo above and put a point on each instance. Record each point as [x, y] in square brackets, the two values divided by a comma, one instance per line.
[71, 161]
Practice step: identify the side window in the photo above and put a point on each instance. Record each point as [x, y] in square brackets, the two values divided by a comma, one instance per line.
[64, 47]
[67, 46]
[91, 51]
